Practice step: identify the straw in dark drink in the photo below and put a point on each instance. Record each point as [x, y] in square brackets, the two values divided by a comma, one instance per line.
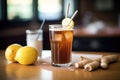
[73, 16]
[67, 10]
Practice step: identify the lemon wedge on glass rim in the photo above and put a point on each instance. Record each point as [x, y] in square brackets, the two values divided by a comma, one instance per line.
[67, 23]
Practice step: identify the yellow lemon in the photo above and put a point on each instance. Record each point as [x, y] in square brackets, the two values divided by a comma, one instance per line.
[10, 52]
[26, 55]
[67, 21]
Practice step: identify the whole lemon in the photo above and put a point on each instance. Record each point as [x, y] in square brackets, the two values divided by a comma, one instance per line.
[26, 55]
[10, 52]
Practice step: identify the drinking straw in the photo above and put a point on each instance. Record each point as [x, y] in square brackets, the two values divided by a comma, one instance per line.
[42, 24]
[73, 16]
[67, 11]
[41, 28]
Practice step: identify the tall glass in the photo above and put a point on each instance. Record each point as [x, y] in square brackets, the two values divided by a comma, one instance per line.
[34, 38]
[61, 45]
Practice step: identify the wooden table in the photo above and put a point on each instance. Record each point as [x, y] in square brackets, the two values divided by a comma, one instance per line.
[42, 70]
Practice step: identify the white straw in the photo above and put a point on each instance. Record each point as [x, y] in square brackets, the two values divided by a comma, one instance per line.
[67, 11]
[73, 16]
[40, 28]
[42, 24]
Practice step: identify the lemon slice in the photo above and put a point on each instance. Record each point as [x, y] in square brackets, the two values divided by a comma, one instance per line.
[67, 23]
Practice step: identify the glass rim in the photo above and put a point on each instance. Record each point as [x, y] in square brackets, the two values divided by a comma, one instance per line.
[34, 31]
[55, 25]
[58, 26]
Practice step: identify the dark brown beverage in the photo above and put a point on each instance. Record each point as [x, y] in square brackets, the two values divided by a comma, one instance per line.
[61, 46]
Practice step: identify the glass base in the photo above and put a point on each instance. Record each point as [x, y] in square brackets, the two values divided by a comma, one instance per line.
[61, 65]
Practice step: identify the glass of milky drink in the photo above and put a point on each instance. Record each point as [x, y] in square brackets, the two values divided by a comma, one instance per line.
[61, 45]
[34, 38]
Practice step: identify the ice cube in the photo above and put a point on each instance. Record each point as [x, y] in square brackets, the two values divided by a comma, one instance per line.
[58, 37]
[68, 36]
